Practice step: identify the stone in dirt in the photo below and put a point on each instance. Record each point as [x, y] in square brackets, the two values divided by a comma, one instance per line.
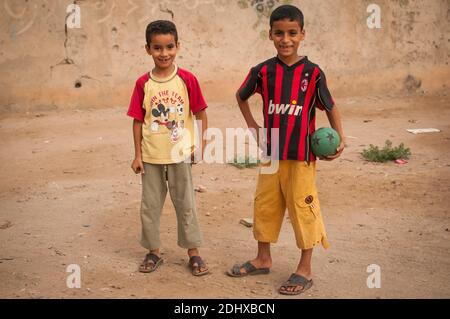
[248, 222]
[6, 224]
[200, 189]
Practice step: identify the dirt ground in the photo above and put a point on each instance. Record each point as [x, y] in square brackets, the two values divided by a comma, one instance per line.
[68, 196]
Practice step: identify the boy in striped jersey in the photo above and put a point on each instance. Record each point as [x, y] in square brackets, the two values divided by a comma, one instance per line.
[292, 88]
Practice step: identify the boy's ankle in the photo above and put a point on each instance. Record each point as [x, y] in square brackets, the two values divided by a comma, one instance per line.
[262, 262]
[193, 252]
[155, 252]
[304, 272]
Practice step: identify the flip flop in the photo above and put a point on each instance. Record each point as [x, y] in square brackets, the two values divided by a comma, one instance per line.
[150, 263]
[250, 269]
[195, 263]
[295, 281]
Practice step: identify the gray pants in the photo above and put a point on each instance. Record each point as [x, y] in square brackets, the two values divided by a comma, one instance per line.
[154, 191]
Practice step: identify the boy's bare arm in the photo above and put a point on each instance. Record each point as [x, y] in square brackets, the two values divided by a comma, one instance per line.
[334, 117]
[137, 166]
[201, 116]
[248, 116]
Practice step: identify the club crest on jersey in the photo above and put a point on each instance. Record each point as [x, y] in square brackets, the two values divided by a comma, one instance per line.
[291, 109]
[304, 85]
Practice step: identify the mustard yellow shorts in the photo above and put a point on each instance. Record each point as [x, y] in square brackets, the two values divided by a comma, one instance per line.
[293, 186]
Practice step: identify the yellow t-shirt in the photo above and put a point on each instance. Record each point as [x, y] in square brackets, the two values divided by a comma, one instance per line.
[166, 107]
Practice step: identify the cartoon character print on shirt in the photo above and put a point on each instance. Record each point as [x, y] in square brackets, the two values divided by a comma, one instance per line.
[177, 128]
[168, 119]
[161, 115]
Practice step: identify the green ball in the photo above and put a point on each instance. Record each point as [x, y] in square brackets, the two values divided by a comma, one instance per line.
[325, 141]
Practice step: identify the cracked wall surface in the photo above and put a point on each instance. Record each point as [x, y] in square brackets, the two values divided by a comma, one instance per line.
[46, 65]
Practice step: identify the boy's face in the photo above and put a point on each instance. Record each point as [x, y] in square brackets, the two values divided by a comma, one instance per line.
[286, 36]
[163, 49]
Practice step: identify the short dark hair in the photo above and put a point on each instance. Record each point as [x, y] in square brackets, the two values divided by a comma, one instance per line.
[287, 12]
[160, 27]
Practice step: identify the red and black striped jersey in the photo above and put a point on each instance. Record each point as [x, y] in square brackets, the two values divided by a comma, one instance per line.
[290, 96]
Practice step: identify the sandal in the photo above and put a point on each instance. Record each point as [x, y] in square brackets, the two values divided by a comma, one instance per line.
[295, 281]
[250, 269]
[196, 263]
[150, 263]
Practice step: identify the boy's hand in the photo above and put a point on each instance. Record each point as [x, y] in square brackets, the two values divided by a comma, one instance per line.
[195, 159]
[138, 166]
[193, 162]
[255, 129]
[339, 151]
[334, 118]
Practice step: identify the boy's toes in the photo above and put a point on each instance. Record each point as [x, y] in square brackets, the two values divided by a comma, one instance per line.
[198, 266]
[202, 269]
[295, 285]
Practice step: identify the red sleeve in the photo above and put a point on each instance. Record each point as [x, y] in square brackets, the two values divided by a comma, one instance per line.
[196, 100]
[136, 110]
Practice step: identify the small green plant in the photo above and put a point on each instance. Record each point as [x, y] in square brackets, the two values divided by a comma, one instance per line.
[247, 162]
[387, 153]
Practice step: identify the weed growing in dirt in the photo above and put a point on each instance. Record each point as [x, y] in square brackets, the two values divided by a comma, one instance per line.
[387, 153]
[247, 162]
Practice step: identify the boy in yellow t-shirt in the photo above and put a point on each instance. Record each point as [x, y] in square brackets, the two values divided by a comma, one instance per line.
[163, 106]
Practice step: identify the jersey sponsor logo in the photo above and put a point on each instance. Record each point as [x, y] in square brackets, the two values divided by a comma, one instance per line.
[291, 109]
